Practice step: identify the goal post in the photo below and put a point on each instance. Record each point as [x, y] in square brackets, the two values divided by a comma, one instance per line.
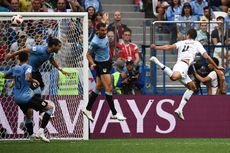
[69, 94]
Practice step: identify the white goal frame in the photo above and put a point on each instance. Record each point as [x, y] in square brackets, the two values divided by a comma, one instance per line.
[61, 15]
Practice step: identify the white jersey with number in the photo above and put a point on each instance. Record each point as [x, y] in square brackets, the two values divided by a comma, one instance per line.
[187, 49]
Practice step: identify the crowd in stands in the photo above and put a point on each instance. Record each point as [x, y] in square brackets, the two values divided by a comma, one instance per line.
[122, 50]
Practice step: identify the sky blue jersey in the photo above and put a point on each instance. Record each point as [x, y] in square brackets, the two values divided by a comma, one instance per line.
[22, 91]
[38, 55]
[100, 48]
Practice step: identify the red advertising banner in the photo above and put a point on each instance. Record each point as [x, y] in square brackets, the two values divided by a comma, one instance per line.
[147, 117]
[153, 117]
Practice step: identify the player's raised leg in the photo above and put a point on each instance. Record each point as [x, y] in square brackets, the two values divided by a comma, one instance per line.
[163, 67]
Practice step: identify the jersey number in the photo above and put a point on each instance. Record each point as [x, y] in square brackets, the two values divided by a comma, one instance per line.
[185, 48]
[17, 82]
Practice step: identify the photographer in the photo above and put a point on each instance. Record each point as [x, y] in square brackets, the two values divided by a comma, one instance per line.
[214, 80]
[129, 83]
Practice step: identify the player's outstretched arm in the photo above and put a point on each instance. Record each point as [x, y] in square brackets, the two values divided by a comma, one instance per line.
[164, 47]
[54, 63]
[210, 61]
[13, 54]
[6, 75]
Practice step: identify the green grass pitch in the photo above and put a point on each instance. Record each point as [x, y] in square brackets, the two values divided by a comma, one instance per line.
[163, 145]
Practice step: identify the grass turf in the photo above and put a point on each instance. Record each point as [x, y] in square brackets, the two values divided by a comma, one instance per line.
[163, 145]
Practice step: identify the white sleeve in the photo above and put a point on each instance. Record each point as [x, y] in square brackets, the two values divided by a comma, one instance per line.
[28, 70]
[200, 48]
[179, 44]
[212, 75]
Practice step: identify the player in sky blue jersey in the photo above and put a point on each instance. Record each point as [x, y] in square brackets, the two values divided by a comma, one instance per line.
[39, 54]
[99, 46]
[24, 96]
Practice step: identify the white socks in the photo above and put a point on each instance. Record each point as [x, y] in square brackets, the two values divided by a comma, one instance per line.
[167, 70]
[188, 93]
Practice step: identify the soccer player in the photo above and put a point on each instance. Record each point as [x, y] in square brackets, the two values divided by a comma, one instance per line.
[99, 46]
[24, 95]
[39, 54]
[187, 50]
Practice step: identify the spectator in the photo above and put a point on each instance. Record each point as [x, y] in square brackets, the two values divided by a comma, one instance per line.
[91, 29]
[117, 26]
[37, 6]
[24, 5]
[91, 11]
[227, 18]
[197, 7]
[225, 4]
[95, 3]
[112, 48]
[128, 50]
[173, 13]
[218, 33]
[97, 17]
[14, 6]
[202, 34]
[74, 6]
[186, 15]
[208, 16]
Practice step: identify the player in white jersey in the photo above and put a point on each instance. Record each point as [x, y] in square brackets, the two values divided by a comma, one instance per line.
[187, 50]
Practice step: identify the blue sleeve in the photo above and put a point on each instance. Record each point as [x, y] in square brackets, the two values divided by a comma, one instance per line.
[169, 15]
[9, 72]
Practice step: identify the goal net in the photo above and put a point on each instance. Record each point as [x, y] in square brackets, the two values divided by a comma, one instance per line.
[67, 93]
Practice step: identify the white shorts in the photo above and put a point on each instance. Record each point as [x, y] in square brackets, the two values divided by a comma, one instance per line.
[182, 67]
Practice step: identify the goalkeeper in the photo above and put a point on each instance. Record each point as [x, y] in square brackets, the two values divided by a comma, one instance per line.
[25, 98]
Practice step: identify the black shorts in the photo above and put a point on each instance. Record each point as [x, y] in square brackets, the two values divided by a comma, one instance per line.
[35, 103]
[37, 76]
[103, 67]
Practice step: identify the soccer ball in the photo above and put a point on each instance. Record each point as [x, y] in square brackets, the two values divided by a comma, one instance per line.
[17, 20]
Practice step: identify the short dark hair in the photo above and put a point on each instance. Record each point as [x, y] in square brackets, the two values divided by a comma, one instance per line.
[192, 33]
[99, 25]
[220, 17]
[53, 41]
[206, 7]
[23, 57]
[127, 30]
[215, 60]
